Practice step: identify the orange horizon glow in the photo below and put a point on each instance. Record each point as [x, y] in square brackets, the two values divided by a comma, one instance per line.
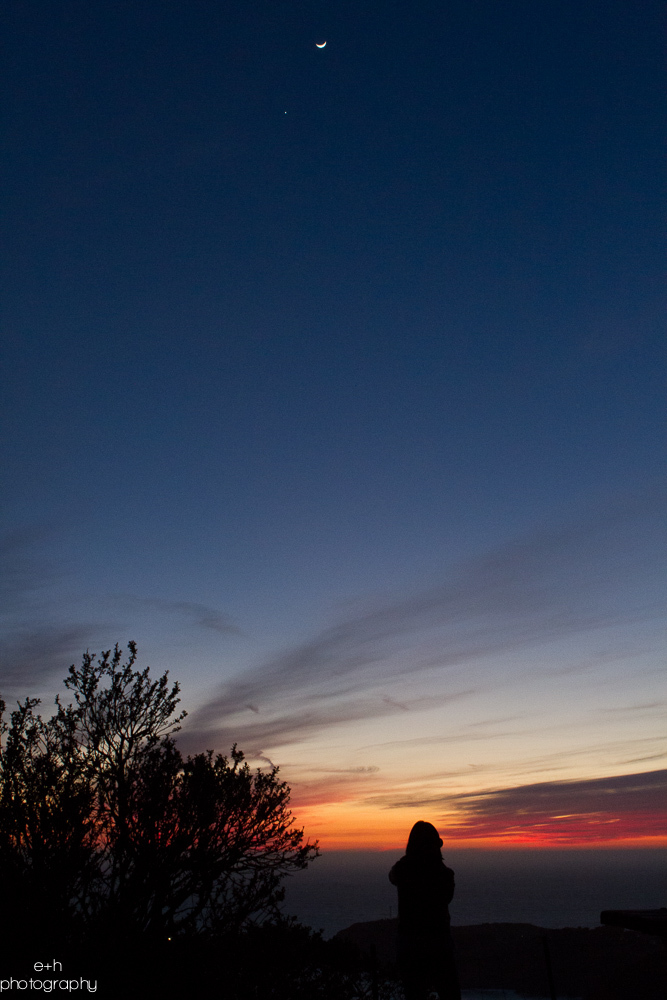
[375, 843]
[358, 828]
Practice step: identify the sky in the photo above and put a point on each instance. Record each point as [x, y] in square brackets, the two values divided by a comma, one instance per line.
[334, 378]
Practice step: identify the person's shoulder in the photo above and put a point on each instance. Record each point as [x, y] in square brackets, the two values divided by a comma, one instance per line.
[398, 870]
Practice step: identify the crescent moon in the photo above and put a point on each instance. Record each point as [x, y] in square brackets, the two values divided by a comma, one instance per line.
[320, 45]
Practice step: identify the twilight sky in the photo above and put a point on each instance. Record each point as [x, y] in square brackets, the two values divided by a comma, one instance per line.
[335, 378]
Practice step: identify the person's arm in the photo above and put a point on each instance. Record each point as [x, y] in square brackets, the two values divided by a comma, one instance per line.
[449, 884]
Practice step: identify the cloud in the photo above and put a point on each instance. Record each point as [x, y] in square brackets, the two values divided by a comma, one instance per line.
[32, 656]
[35, 645]
[616, 807]
[396, 704]
[370, 769]
[42, 632]
[198, 614]
[551, 583]
[340, 785]
[308, 714]
[652, 707]
[652, 756]
[619, 793]
[609, 753]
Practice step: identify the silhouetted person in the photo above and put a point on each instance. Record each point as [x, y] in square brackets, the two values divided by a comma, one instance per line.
[425, 888]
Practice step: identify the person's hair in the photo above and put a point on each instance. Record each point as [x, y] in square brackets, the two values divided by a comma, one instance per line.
[424, 841]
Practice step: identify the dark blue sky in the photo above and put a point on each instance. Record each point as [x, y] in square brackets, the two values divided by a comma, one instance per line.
[287, 329]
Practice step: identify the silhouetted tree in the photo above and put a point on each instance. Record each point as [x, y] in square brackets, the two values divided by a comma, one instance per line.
[106, 829]
[47, 840]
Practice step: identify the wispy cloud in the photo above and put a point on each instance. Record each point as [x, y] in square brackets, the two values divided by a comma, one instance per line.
[627, 805]
[198, 614]
[618, 793]
[662, 755]
[35, 655]
[651, 707]
[369, 769]
[308, 714]
[338, 785]
[36, 644]
[43, 632]
[598, 573]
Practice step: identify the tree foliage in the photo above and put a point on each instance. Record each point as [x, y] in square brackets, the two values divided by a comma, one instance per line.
[105, 828]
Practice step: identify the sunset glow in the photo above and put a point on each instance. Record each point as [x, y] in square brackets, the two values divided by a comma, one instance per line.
[352, 826]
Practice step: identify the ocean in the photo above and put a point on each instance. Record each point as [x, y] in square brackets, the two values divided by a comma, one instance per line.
[549, 888]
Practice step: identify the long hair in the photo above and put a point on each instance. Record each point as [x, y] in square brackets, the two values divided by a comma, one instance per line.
[424, 842]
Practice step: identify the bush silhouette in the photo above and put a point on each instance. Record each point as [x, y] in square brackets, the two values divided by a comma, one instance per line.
[108, 834]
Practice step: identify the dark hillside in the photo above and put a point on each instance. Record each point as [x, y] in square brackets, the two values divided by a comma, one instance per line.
[604, 963]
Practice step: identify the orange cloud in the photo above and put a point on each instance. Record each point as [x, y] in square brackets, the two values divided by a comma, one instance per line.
[621, 807]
